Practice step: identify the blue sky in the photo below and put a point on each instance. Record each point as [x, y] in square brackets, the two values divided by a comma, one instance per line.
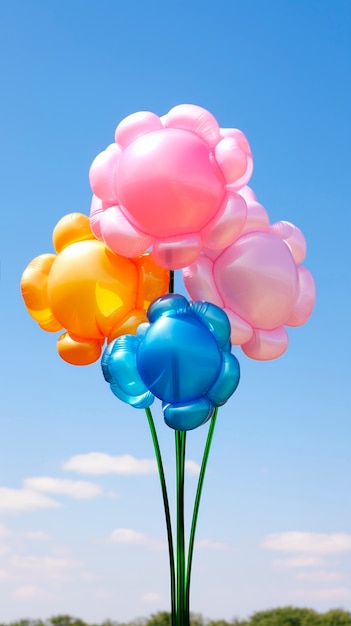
[275, 520]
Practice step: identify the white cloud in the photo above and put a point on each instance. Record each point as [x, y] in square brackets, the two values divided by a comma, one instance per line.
[28, 592]
[104, 594]
[316, 543]
[24, 500]
[192, 468]
[79, 490]
[61, 550]
[36, 535]
[4, 575]
[320, 576]
[298, 562]
[97, 463]
[112, 494]
[326, 594]
[151, 597]
[47, 563]
[4, 531]
[88, 577]
[212, 545]
[132, 537]
[12, 538]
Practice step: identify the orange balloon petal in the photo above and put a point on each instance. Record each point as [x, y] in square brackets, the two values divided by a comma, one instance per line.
[70, 229]
[78, 352]
[129, 324]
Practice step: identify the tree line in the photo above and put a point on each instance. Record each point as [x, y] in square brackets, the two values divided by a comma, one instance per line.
[286, 616]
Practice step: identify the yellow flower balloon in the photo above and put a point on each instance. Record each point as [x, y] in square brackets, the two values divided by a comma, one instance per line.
[88, 290]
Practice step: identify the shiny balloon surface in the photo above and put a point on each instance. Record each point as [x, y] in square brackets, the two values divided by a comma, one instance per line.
[182, 356]
[171, 184]
[88, 290]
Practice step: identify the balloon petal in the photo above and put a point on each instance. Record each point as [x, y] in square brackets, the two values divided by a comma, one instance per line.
[239, 136]
[129, 324]
[227, 380]
[265, 345]
[242, 143]
[46, 320]
[136, 125]
[175, 253]
[138, 402]
[248, 194]
[96, 214]
[122, 366]
[34, 282]
[118, 365]
[78, 351]
[153, 280]
[257, 279]
[231, 159]
[195, 119]
[305, 300]
[142, 328]
[105, 362]
[293, 237]
[257, 217]
[199, 281]
[121, 236]
[102, 173]
[227, 225]
[241, 331]
[215, 319]
[70, 229]
[167, 305]
[187, 416]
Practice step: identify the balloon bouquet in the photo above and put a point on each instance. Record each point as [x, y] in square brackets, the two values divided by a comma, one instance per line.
[171, 194]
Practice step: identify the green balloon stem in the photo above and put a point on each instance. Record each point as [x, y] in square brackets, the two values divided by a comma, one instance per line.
[167, 511]
[180, 440]
[196, 508]
[171, 282]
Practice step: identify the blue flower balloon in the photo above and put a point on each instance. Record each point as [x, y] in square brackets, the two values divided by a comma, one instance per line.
[182, 356]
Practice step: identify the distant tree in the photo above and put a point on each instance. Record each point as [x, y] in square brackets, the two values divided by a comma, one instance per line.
[286, 616]
[336, 617]
[283, 616]
[239, 622]
[196, 619]
[65, 620]
[163, 618]
[26, 622]
[139, 621]
[223, 622]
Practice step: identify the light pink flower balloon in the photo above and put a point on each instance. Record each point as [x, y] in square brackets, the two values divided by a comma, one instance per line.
[171, 183]
[258, 281]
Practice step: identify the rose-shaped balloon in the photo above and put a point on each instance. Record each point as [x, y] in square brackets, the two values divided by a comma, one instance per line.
[258, 281]
[182, 357]
[88, 290]
[170, 183]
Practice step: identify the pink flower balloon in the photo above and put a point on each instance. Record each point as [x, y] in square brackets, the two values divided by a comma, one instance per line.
[170, 183]
[258, 281]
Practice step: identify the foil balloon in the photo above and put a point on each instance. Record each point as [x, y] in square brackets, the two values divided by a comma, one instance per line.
[258, 281]
[88, 290]
[170, 183]
[182, 356]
